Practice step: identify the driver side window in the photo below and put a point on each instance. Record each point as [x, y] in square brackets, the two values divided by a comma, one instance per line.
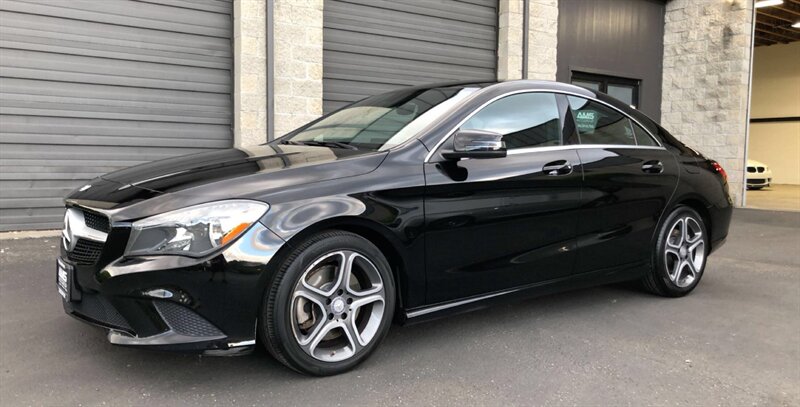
[525, 120]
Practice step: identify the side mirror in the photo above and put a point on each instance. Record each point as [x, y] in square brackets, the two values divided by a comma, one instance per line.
[476, 144]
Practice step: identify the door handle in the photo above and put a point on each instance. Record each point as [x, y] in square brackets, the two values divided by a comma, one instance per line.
[560, 167]
[653, 167]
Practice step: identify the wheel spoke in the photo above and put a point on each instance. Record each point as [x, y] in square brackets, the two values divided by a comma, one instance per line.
[684, 231]
[679, 273]
[337, 277]
[308, 340]
[672, 251]
[362, 301]
[675, 273]
[370, 270]
[312, 295]
[345, 270]
[693, 246]
[679, 226]
[690, 267]
[356, 343]
[319, 334]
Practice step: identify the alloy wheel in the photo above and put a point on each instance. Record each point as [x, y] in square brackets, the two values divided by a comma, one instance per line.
[684, 251]
[337, 306]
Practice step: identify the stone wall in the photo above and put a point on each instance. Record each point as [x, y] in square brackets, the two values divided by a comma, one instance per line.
[705, 91]
[509, 40]
[542, 39]
[297, 52]
[298, 63]
[250, 72]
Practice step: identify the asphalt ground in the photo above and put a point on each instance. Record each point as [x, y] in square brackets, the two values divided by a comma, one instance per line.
[735, 341]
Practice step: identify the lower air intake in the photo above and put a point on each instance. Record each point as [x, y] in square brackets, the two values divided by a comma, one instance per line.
[184, 321]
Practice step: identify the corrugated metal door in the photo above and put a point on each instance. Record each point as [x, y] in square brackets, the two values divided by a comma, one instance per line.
[90, 86]
[373, 46]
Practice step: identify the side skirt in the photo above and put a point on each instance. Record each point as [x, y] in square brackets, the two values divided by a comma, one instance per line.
[583, 280]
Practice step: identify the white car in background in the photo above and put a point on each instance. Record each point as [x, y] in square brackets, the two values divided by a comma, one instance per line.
[758, 175]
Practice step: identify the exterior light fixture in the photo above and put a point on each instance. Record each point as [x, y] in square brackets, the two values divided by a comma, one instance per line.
[768, 3]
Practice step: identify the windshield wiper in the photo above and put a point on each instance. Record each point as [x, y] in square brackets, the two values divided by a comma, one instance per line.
[333, 144]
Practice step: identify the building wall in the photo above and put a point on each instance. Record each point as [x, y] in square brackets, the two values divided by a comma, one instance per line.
[249, 72]
[776, 94]
[296, 41]
[707, 45]
[542, 39]
[614, 37]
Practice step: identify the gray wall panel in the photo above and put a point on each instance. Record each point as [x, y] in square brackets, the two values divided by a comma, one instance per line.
[88, 87]
[374, 46]
[614, 37]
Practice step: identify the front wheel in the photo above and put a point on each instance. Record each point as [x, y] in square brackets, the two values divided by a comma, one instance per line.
[330, 304]
[680, 254]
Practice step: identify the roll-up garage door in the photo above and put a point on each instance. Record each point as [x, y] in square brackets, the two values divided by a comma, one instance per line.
[89, 86]
[373, 46]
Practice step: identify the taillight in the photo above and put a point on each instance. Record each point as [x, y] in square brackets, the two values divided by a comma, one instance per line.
[719, 170]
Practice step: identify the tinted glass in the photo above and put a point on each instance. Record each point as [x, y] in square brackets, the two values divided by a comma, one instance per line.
[598, 124]
[587, 84]
[622, 92]
[382, 121]
[524, 120]
[642, 137]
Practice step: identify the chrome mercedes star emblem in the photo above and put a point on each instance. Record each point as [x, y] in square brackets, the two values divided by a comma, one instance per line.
[67, 238]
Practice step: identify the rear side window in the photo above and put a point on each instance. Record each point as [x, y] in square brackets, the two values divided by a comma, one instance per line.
[524, 120]
[642, 137]
[598, 124]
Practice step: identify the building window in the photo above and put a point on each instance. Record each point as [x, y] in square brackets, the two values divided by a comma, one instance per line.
[624, 89]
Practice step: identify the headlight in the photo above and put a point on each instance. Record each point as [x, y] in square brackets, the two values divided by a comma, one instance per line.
[194, 231]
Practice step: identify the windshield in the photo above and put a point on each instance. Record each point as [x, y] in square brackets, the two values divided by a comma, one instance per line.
[380, 122]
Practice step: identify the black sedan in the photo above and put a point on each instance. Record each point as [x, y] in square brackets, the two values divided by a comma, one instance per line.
[404, 206]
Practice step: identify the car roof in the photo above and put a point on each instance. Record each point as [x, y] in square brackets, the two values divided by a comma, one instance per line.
[517, 83]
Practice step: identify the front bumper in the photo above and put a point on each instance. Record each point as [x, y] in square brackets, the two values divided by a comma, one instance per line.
[762, 180]
[177, 303]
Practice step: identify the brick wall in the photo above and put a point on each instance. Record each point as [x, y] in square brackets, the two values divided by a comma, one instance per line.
[706, 79]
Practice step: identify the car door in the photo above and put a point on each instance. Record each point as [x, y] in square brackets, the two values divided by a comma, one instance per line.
[493, 224]
[628, 180]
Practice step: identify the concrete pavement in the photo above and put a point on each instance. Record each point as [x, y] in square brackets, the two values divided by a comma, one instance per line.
[734, 341]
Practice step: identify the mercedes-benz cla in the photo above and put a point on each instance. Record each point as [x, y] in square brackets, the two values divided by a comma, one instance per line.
[404, 206]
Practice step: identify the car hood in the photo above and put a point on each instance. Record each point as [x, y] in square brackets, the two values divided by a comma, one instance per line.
[236, 173]
[754, 163]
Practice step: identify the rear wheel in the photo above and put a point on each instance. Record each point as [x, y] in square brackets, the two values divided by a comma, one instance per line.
[330, 304]
[680, 254]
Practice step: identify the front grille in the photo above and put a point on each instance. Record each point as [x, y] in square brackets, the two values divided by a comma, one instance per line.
[756, 181]
[86, 252]
[185, 321]
[96, 221]
[751, 169]
[760, 169]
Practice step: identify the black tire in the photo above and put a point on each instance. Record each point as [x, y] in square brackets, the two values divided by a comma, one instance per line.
[658, 279]
[276, 322]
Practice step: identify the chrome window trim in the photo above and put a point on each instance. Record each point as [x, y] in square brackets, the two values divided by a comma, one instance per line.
[559, 92]
[580, 147]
